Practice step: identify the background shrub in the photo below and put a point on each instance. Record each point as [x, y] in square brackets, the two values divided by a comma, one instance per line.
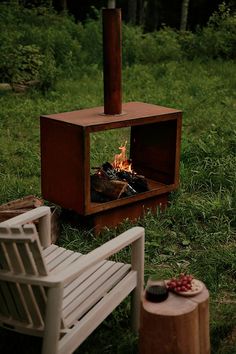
[216, 40]
[22, 64]
[131, 39]
[161, 45]
[38, 44]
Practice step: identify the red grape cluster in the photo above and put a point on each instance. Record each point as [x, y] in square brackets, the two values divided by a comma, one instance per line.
[182, 283]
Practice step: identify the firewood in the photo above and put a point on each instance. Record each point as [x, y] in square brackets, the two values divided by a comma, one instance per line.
[111, 188]
[29, 201]
[7, 214]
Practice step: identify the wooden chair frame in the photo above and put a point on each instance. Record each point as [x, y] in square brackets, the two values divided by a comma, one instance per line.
[19, 241]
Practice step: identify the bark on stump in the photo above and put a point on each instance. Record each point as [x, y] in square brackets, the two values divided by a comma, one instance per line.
[178, 325]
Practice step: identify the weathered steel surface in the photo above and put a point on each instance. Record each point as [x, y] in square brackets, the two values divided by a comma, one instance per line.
[113, 217]
[63, 164]
[136, 113]
[112, 61]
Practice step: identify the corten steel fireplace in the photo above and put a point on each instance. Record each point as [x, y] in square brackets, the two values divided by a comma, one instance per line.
[155, 135]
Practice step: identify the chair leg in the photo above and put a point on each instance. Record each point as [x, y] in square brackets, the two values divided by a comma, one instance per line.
[137, 261]
[52, 321]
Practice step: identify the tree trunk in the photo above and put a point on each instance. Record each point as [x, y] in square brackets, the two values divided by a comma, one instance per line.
[142, 4]
[184, 15]
[132, 11]
[64, 5]
[152, 12]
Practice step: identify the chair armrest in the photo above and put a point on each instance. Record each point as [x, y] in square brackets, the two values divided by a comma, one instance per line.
[43, 214]
[133, 237]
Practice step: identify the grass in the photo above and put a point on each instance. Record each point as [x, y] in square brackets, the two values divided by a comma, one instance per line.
[197, 233]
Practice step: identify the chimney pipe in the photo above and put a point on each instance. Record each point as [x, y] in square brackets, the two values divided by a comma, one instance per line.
[112, 59]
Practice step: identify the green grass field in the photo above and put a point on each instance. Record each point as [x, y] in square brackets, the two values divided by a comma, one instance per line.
[196, 234]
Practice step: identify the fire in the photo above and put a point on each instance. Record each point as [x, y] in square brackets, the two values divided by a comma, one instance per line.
[121, 162]
[116, 180]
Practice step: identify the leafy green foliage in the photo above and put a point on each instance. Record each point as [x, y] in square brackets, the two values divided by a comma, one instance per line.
[37, 44]
[22, 64]
[216, 40]
[160, 46]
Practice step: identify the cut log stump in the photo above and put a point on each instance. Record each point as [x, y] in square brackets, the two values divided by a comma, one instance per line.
[178, 325]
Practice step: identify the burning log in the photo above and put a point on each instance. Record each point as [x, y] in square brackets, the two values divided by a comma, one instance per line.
[109, 188]
[109, 183]
[116, 180]
[137, 182]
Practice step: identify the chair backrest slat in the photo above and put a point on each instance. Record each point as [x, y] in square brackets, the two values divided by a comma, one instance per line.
[15, 260]
[32, 305]
[3, 305]
[27, 258]
[8, 292]
[41, 296]
[21, 252]
[39, 261]
[20, 304]
[4, 260]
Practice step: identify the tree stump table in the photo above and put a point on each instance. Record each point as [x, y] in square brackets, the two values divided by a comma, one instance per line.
[178, 325]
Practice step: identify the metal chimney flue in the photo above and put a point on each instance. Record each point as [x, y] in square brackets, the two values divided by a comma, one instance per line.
[112, 60]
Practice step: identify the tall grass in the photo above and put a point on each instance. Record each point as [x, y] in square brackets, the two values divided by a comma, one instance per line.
[197, 233]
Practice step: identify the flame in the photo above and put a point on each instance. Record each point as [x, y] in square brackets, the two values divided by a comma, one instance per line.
[121, 162]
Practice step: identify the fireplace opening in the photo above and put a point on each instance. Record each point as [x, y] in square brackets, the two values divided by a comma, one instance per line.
[115, 178]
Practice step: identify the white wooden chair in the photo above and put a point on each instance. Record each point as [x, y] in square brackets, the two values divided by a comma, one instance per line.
[61, 295]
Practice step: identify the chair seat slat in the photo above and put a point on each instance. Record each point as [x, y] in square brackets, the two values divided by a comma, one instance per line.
[59, 259]
[97, 314]
[81, 307]
[53, 255]
[48, 250]
[88, 287]
[69, 260]
[75, 283]
[84, 281]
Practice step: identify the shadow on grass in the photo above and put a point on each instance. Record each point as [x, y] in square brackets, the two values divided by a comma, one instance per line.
[14, 343]
[109, 338]
[223, 340]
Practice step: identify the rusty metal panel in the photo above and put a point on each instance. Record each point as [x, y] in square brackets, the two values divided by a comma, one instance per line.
[153, 150]
[62, 164]
[113, 217]
[135, 113]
